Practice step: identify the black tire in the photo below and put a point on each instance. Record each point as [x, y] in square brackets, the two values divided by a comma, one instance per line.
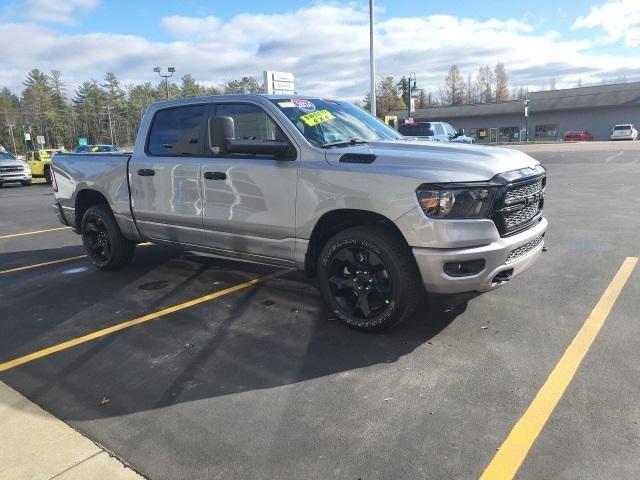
[26, 183]
[385, 274]
[47, 174]
[106, 246]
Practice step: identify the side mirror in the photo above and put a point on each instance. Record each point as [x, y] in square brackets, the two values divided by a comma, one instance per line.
[221, 131]
[223, 140]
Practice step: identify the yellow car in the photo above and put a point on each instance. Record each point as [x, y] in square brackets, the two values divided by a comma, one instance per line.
[40, 162]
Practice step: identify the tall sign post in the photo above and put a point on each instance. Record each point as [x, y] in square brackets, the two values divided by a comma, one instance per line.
[372, 62]
[279, 82]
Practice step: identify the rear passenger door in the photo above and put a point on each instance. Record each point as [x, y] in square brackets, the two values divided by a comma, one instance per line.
[165, 191]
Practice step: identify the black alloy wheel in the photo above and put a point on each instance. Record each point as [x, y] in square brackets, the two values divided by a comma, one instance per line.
[107, 248]
[360, 282]
[368, 277]
[97, 240]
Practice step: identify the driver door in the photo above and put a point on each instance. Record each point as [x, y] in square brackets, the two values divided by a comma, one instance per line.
[249, 201]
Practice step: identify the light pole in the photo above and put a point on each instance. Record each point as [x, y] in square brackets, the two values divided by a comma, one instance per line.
[372, 62]
[526, 116]
[166, 76]
[412, 75]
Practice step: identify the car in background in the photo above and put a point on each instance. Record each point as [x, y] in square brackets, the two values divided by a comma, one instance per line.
[577, 136]
[95, 149]
[13, 170]
[40, 162]
[624, 131]
[438, 131]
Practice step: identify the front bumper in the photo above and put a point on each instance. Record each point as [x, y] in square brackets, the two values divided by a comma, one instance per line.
[15, 177]
[497, 271]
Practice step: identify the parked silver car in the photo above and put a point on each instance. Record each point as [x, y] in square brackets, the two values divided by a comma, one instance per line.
[313, 184]
[13, 170]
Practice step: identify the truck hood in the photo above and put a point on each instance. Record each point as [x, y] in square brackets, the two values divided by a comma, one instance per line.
[434, 161]
[8, 162]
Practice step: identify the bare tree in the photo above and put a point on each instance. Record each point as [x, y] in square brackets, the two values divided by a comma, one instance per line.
[502, 82]
[484, 84]
[454, 87]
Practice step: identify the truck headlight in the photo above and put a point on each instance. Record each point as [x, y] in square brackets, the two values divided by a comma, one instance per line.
[452, 201]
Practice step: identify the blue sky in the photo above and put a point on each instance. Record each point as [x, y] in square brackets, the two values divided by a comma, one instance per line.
[325, 44]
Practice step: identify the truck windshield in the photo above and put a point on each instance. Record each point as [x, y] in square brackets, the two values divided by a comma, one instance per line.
[6, 156]
[332, 123]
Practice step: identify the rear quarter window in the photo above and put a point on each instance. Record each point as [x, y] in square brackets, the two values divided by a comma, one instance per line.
[178, 131]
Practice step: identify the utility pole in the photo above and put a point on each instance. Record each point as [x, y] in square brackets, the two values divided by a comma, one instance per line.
[412, 75]
[166, 76]
[372, 62]
[109, 107]
[13, 140]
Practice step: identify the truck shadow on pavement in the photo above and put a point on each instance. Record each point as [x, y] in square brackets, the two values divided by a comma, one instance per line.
[273, 334]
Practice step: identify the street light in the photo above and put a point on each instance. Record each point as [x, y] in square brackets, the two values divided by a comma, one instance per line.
[166, 76]
[412, 75]
[526, 115]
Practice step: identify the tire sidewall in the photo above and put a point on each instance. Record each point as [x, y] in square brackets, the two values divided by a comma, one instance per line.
[348, 239]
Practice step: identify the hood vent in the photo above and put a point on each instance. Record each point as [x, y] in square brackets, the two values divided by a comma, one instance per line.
[357, 158]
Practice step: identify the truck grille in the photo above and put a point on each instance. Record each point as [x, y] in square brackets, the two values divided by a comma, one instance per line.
[519, 217]
[520, 205]
[10, 169]
[524, 249]
[518, 193]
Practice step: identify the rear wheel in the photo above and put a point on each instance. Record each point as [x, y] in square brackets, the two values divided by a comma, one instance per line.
[47, 174]
[368, 278]
[106, 246]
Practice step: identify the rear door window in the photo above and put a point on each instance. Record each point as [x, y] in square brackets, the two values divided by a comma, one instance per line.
[178, 131]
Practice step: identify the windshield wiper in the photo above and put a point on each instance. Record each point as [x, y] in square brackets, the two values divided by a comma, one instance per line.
[345, 143]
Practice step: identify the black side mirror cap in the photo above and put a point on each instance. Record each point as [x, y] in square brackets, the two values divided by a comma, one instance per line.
[221, 132]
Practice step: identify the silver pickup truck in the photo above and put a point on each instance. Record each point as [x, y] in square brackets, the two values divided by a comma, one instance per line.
[313, 184]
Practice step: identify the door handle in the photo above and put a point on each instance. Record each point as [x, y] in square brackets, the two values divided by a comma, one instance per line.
[146, 172]
[215, 175]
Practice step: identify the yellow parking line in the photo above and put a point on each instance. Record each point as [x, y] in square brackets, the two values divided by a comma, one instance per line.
[43, 264]
[53, 262]
[136, 321]
[35, 232]
[513, 451]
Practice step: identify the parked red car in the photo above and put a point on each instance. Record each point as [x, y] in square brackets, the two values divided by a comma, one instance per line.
[578, 136]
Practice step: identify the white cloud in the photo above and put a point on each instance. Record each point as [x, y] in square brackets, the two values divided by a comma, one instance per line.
[57, 11]
[325, 45]
[620, 19]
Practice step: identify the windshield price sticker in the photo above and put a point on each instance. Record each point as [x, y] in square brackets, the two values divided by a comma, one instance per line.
[304, 105]
[314, 118]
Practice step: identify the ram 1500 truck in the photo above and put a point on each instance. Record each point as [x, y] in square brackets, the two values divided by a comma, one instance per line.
[314, 184]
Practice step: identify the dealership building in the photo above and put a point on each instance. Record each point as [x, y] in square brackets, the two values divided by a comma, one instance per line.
[550, 114]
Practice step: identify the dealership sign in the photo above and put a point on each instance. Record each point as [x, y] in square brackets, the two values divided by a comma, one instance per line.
[278, 82]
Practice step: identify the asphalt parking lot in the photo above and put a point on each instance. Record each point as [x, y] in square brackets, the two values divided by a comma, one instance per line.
[259, 382]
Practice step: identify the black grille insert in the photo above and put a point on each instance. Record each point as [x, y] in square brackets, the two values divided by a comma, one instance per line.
[519, 204]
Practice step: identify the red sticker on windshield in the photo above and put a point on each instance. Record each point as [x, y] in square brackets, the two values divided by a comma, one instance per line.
[304, 105]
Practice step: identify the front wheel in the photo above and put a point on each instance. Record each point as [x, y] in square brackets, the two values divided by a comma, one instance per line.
[106, 246]
[368, 278]
[26, 183]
